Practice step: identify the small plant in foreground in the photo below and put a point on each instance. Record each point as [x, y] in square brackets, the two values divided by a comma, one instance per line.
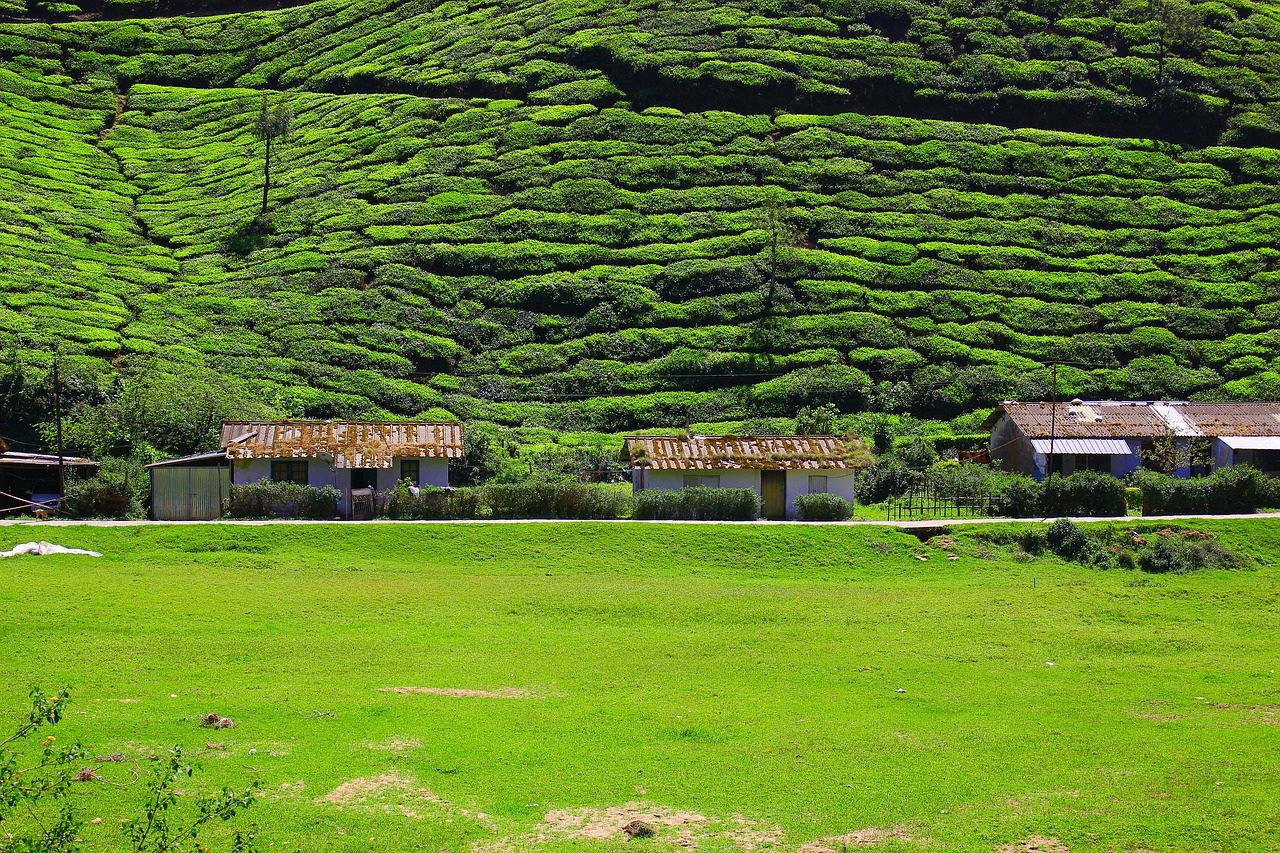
[38, 817]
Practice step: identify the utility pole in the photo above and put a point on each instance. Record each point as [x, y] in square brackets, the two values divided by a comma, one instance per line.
[1053, 426]
[57, 414]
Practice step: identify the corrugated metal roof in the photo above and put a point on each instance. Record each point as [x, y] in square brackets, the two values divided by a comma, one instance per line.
[351, 444]
[210, 456]
[1087, 446]
[1139, 419]
[1260, 419]
[706, 453]
[1252, 442]
[42, 460]
[1086, 419]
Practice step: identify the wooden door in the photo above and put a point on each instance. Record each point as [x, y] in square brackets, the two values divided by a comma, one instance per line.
[773, 495]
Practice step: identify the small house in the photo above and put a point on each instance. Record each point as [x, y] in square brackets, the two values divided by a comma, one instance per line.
[357, 458]
[30, 482]
[190, 488]
[779, 468]
[1113, 436]
[1238, 433]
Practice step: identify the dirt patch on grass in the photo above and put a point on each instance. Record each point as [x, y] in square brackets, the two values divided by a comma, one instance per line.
[858, 838]
[389, 793]
[501, 693]
[611, 822]
[748, 835]
[397, 744]
[1034, 844]
[1160, 718]
[1267, 715]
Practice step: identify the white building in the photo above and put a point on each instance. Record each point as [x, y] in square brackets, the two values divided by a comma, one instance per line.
[778, 468]
[355, 457]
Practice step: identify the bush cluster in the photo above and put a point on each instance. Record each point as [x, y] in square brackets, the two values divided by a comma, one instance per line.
[698, 504]
[429, 502]
[1237, 489]
[272, 499]
[820, 507]
[118, 489]
[1180, 555]
[562, 498]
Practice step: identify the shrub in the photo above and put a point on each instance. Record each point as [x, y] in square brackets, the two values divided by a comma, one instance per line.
[1066, 539]
[561, 498]
[1180, 554]
[119, 489]
[1084, 493]
[428, 502]
[1133, 498]
[821, 507]
[889, 476]
[1238, 489]
[698, 504]
[1017, 496]
[271, 499]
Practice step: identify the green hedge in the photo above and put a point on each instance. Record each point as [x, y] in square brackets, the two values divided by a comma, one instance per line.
[1238, 489]
[429, 502]
[698, 504]
[820, 507]
[271, 499]
[555, 499]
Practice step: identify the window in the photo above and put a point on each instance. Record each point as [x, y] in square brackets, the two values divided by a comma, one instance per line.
[289, 471]
[1093, 462]
[706, 481]
[818, 484]
[409, 470]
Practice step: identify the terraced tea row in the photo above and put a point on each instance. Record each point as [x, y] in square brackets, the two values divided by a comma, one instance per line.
[1187, 72]
[509, 261]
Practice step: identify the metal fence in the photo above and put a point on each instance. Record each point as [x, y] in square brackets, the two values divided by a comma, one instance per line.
[930, 501]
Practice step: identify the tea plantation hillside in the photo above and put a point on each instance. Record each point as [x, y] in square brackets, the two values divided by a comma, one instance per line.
[617, 216]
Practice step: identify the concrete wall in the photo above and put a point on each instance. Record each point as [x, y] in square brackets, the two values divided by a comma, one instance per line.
[320, 472]
[839, 483]
[1011, 450]
[730, 478]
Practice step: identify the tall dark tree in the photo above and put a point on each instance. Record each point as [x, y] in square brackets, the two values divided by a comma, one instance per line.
[273, 125]
[1178, 24]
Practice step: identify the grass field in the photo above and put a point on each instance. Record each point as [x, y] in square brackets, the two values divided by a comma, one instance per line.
[742, 680]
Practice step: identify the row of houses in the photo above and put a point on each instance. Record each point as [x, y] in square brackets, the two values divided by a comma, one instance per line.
[359, 458]
[1115, 437]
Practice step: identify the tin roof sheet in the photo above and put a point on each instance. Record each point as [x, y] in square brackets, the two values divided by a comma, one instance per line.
[1252, 442]
[42, 460]
[351, 444]
[707, 453]
[1086, 446]
[1095, 419]
[1257, 419]
[1140, 419]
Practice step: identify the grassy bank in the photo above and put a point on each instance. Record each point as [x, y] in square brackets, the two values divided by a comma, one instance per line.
[746, 676]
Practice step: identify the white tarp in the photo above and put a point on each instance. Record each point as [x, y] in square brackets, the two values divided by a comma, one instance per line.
[43, 548]
[1252, 442]
[1088, 446]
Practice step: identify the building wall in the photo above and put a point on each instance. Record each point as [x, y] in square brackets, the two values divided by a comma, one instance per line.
[320, 473]
[730, 478]
[1012, 450]
[839, 483]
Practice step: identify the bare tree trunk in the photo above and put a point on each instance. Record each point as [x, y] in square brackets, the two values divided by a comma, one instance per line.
[266, 183]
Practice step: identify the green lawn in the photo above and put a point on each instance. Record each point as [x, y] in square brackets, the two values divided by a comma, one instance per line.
[745, 675]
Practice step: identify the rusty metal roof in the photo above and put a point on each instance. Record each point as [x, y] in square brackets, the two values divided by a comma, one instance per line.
[1139, 419]
[705, 452]
[351, 444]
[1092, 419]
[1215, 419]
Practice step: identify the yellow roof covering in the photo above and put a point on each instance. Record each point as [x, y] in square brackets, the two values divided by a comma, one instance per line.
[711, 452]
[351, 444]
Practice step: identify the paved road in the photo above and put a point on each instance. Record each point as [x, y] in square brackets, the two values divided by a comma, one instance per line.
[1132, 519]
